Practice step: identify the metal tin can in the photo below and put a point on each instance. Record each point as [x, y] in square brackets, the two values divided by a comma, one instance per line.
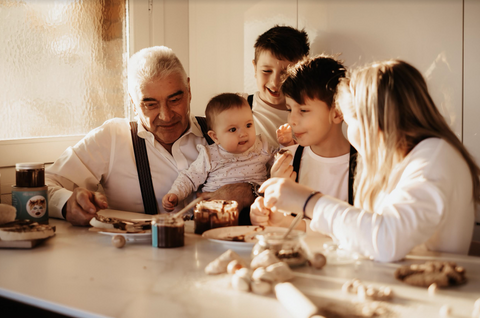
[167, 231]
[30, 195]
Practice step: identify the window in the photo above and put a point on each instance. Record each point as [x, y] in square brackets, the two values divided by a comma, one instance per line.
[64, 64]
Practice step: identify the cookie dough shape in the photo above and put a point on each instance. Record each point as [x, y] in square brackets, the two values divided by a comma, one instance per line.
[443, 274]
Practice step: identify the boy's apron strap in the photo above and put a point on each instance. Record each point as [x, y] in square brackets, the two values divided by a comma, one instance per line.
[351, 169]
[297, 158]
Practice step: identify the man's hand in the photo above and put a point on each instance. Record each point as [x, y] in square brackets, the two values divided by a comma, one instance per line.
[240, 192]
[83, 205]
[169, 201]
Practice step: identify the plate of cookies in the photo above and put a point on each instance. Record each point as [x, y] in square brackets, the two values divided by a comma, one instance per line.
[239, 236]
[234, 236]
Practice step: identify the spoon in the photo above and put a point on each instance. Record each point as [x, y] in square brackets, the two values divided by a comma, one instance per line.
[187, 207]
[294, 223]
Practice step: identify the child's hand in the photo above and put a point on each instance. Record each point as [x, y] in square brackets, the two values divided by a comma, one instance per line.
[284, 135]
[169, 202]
[282, 168]
[260, 215]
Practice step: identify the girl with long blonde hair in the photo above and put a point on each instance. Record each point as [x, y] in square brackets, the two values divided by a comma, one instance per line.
[416, 184]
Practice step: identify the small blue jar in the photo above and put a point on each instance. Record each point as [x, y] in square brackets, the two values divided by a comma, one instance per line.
[30, 194]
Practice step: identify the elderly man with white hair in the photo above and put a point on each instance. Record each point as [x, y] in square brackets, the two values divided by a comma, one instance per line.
[153, 149]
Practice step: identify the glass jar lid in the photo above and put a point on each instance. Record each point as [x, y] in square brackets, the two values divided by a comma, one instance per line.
[29, 165]
[167, 220]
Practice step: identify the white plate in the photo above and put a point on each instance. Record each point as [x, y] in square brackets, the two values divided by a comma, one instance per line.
[224, 235]
[133, 237]
[125, 215]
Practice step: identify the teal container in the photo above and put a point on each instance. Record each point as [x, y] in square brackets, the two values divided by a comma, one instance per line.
[30, 194]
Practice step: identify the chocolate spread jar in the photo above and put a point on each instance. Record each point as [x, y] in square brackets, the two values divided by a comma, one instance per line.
[210, 214]
[29, 194]
[167, 231]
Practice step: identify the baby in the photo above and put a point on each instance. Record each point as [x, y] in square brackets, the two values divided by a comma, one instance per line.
[237, 155]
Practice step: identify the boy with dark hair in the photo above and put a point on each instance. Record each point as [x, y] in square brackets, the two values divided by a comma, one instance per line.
[275, 50]
[323, 159]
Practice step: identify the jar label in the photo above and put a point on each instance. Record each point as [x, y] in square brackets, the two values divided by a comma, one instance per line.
[154, 236]
[31, 205]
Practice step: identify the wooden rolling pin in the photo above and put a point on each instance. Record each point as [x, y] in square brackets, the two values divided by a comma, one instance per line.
[295, 301]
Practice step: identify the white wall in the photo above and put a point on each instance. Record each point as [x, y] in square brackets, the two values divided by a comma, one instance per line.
[222, 35]
[441, 38]
[426, 33]
[214, 40]
[471, 76]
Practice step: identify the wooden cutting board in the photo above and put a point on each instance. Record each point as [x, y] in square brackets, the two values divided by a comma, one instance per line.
[21, 244]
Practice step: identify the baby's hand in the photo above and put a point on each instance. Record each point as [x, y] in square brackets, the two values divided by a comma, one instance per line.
[169, 202]
[284, 135]
[282, 168]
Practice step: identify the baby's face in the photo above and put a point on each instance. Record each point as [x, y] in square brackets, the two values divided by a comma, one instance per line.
[268, 73]
[234, 129]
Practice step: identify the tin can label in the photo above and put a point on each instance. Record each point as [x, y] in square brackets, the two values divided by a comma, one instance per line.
[31, 204]
[154, 236]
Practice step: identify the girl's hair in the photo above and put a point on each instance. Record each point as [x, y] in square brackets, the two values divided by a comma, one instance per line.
[314, 78]
[392, 97]
[152, 63]
[221, 103]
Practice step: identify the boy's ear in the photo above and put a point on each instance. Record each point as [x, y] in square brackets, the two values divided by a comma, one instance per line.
[337, 115]
[254, 68]
[213, 135]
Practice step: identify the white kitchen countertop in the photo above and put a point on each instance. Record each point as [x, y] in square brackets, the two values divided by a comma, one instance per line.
[79, 273]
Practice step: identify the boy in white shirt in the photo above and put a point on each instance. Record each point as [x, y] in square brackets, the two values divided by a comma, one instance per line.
[324, 159]
[275, 50]
[416, 185]
[237, 155]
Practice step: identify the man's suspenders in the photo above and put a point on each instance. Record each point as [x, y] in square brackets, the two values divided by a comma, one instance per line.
[250, 100]
[143, 166]
[297, 158]
[143, 170]
[202, 121]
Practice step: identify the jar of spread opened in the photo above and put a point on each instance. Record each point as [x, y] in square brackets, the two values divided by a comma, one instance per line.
[290, 249]
[210, 214]
[167, 231]
[29, 194]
